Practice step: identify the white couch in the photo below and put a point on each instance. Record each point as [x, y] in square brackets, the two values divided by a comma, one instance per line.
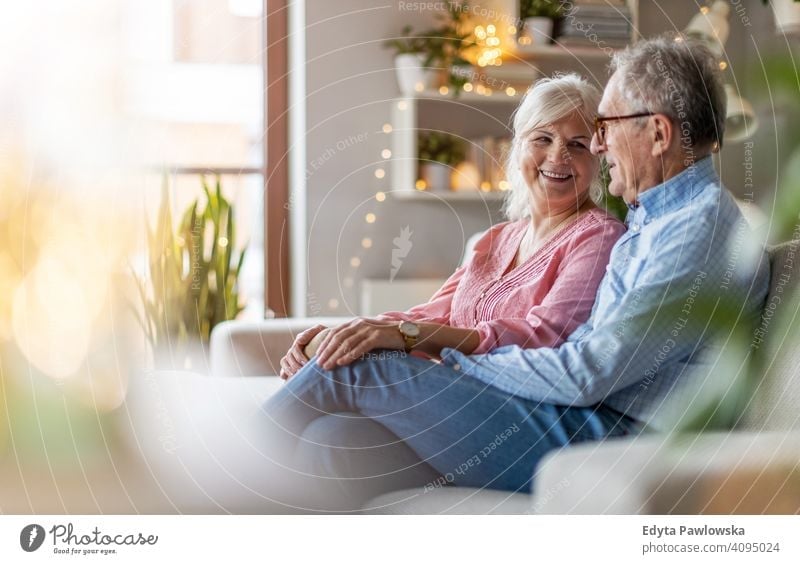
[749, 470]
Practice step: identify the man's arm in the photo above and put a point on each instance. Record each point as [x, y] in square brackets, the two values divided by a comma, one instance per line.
[677, 304]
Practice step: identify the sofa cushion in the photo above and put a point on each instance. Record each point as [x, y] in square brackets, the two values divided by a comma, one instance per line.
[775, 405]
[449, 501]
[652, 474]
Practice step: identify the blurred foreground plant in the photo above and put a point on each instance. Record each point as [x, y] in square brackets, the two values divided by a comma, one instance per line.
[744, 366]
[193, 272]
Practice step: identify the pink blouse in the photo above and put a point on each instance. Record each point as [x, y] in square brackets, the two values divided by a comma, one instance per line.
[538, 303]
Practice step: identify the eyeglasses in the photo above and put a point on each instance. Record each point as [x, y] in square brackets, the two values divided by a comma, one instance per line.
[600, 126]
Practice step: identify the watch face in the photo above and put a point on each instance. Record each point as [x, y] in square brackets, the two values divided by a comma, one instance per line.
[409, 329]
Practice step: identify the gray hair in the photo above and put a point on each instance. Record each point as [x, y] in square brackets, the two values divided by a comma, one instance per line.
[679, 77]
[547, 101]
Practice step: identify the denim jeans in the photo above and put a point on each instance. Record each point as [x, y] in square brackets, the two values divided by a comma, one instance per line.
[389, 423]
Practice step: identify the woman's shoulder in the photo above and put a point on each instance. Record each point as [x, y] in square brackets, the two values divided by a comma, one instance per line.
[596, 227]
[500, 234]
[597, 219]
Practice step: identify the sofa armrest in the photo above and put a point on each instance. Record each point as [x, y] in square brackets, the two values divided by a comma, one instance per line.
[657, 474]
[255, 348]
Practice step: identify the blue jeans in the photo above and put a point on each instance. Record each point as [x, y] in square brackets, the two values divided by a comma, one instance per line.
[385, 424]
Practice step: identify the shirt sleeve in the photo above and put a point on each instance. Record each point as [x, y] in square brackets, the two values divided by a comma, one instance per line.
[569, 300]
[662, 321]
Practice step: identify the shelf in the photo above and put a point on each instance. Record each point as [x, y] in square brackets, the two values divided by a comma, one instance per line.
[497, 97]
[559, 52]
[466, 196]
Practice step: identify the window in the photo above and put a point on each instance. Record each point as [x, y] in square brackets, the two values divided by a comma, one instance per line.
[196, 91]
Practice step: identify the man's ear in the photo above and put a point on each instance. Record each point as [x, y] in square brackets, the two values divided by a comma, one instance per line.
[663, 133]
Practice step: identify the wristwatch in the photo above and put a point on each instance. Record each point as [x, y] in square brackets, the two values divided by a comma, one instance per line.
[410, 333]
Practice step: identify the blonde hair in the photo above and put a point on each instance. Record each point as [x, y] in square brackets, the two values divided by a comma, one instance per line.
[547, 101]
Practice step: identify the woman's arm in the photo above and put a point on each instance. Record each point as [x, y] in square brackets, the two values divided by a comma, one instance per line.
[352, 340]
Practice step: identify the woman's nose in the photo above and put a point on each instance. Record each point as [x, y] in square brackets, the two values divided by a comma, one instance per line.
[595, 146]
[558, 153]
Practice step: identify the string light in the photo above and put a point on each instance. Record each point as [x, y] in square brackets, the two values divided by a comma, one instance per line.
[468, 87]
[443, 90]
[421, 184]
[370, 218]
[355, 262]
[387, 127]
[386, 154]
[380, 173]
[489, 44]
[380, 196]
[402, 105]
[366, 242]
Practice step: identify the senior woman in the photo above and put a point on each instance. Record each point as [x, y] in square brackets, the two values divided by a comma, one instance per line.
[356, 427]
[532, 280]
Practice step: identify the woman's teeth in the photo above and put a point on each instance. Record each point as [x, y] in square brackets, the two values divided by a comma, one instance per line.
[554, 175]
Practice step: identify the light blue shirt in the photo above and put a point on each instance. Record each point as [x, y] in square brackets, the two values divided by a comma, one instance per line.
[683, 254]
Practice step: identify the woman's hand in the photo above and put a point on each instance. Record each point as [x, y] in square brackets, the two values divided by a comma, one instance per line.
[346, 343]
[295, 358]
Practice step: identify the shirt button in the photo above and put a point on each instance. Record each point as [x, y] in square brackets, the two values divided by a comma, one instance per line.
[635, 227]
[456, 367]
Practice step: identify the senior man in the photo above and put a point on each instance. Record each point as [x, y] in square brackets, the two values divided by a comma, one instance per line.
[486, 420]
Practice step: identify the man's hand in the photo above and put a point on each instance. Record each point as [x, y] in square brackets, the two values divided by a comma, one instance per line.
[344, 344]
[295, 358]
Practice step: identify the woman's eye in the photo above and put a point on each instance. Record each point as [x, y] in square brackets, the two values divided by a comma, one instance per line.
[577, 145]
[541, 140]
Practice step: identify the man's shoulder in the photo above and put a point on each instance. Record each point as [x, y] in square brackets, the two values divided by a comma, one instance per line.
[710, 210]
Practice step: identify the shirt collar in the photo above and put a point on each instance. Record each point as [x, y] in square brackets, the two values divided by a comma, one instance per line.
[678, 191]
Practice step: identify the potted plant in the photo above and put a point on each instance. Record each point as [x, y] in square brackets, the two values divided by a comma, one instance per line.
[538, 18]
[419, 57]
[192, 283]
[451, 43]
[438, 153]
[412, 61]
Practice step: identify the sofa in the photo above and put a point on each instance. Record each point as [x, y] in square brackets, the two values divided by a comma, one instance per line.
[753, 469]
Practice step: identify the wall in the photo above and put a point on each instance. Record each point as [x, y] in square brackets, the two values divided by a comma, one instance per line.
[350, 85]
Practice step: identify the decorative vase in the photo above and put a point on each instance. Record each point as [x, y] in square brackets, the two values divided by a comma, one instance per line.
[465, 178]
[412, 76]
[436, 176]
[539, 30]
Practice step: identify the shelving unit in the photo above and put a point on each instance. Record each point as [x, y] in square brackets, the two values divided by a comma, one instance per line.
[477, 114]
[447, 197]
[471, 115]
